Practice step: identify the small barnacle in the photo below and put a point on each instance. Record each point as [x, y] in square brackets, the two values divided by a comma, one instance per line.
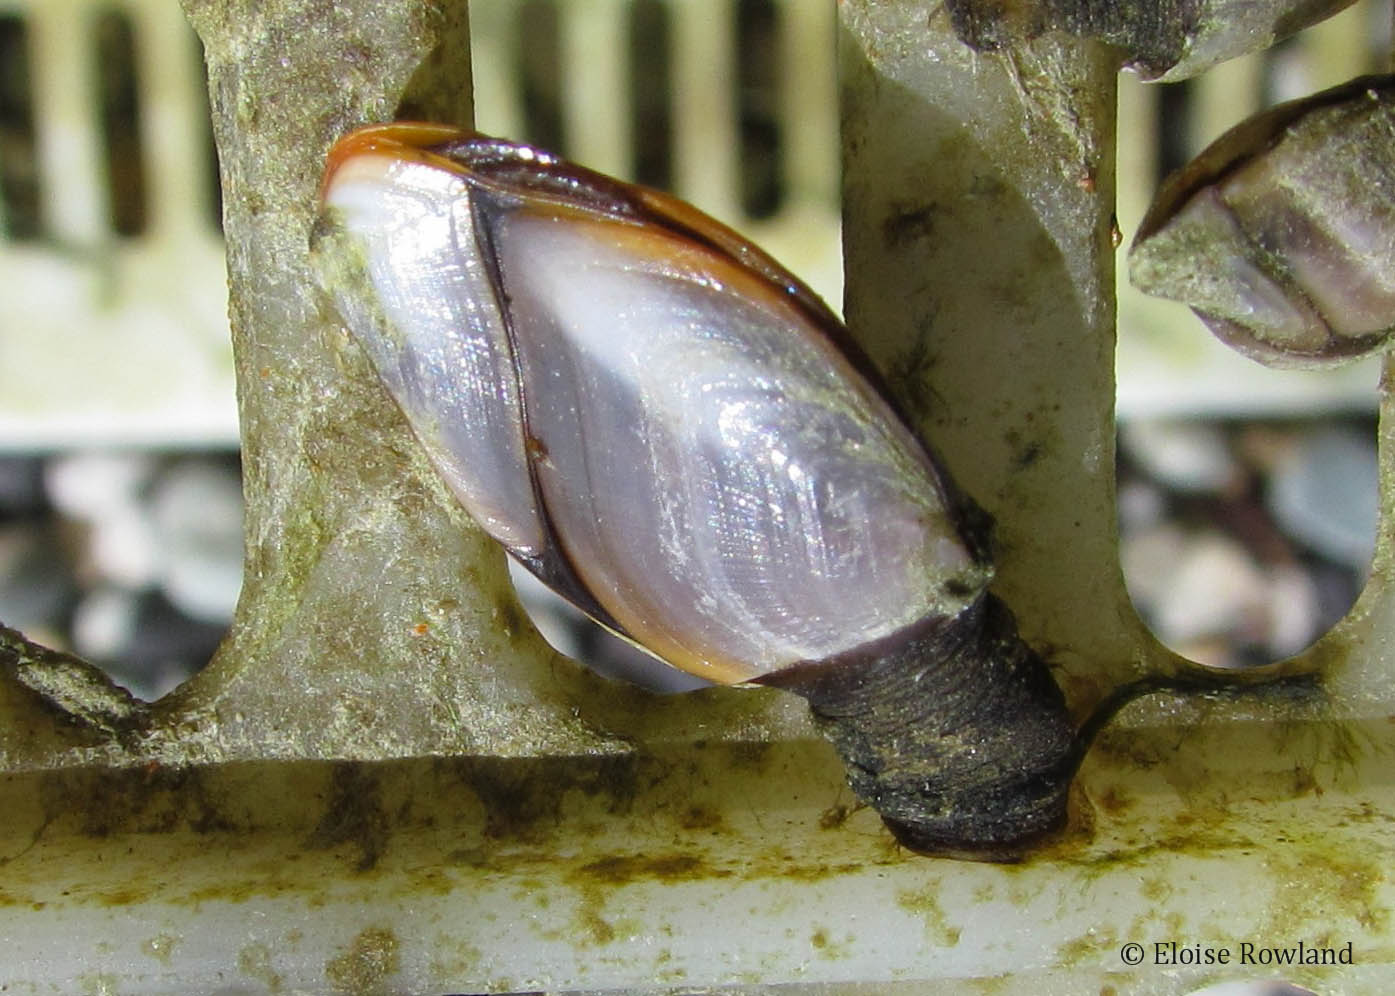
[1281, 234]
[1159, 41]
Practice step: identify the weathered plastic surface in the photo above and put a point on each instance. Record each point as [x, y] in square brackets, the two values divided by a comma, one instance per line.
[386, 783]
[1167, 42]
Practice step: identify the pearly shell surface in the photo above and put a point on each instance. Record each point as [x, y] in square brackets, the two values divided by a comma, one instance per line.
[1281, 235]
[641, 407]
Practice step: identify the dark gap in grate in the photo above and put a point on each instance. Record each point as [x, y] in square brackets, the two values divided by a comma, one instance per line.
[19, 174]
[539, 64]
[758, 102]
[651, 90]
[205, 125]
[1174, 121]
[120, 121]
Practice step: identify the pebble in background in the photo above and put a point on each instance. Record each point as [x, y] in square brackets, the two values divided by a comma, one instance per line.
[1244, 542]
[1241, 543]
[132, 560]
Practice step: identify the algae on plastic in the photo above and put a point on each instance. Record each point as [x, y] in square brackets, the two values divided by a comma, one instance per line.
[385, 782]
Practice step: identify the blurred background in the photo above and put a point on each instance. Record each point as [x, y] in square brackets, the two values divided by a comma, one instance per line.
[1247, 497]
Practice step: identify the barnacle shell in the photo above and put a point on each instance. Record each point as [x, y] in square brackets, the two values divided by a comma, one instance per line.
[674, 433]
[1160, 41]
[1281, 235]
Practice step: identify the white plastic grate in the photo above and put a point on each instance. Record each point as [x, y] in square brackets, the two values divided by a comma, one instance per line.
[108, 339]
[432, 886]
[111, 339]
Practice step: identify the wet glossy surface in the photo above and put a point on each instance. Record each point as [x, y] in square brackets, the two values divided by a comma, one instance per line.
[409, 226]
[711, 468]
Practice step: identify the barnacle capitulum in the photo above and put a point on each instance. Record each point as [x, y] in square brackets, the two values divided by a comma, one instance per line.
[1159, 41]
[676, 435]
[1281, 234]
